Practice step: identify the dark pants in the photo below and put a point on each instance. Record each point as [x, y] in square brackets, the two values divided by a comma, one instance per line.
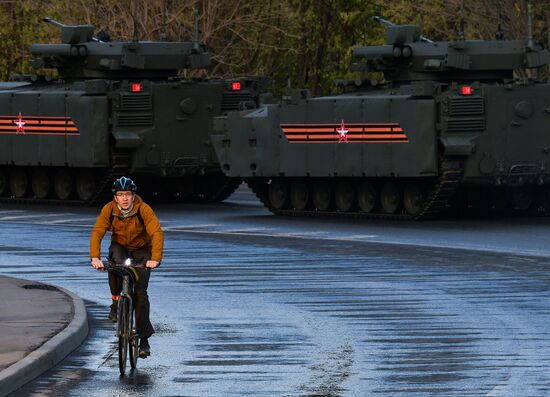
[118, 254]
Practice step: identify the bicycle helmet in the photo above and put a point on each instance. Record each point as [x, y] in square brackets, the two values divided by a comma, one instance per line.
[124, 183]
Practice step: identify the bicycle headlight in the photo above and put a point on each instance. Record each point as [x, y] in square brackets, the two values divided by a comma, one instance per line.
[127, 262]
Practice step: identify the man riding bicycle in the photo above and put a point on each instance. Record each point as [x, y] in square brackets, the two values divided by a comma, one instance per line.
[136, 233]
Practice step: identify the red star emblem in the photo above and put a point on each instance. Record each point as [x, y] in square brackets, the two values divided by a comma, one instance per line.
[342, 133]
[20, 124]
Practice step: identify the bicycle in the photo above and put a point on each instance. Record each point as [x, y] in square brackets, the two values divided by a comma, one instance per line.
[128, 339]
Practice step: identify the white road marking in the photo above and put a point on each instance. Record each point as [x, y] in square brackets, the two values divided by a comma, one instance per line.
[299, 235]
[248, 230]
[58, 221]
[10, 211]
[20, 217]
[356, 237]
[187, 227]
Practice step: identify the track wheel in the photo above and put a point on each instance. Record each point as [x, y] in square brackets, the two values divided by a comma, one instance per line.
[522, 197]
[299, 195]
[40, 183]
[278, 194]
[367, 197]
[63, 184]
[414, 196]
[85, 185]
[3, 182]
[344, 196]
[19, 182]
[390, 198]
[500, 199]
[322, 195]
[543, 199]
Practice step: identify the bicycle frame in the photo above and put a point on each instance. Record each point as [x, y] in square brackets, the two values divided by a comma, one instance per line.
[126, 293]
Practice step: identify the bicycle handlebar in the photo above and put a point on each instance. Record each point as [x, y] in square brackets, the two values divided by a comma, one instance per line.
[108, 265]
[113, 266]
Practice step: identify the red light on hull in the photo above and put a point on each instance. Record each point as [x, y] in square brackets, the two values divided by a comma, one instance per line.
[466, 90]
[236, 86]
[136, 87]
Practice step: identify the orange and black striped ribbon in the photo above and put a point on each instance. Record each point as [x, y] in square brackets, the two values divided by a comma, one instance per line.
[327, 133]
[38, 125]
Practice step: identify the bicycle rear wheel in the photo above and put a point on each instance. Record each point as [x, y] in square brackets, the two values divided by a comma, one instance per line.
[134, 341]
[124, 335]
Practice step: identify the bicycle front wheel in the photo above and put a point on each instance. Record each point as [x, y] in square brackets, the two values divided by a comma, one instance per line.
[124, 334]
[134, 341]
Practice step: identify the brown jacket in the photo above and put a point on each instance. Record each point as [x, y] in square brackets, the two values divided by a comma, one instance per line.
[129, 232]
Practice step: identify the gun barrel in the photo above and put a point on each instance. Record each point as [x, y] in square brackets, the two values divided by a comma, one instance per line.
[54, 22]
[46, 50]
[383, 21]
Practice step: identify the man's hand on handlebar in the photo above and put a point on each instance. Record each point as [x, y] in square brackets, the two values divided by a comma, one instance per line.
[97, 264]
[151, 264]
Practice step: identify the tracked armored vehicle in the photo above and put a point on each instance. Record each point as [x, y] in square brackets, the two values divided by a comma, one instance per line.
[451, 129]
[114, 108]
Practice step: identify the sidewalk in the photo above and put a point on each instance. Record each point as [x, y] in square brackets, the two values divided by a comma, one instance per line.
[39, 325]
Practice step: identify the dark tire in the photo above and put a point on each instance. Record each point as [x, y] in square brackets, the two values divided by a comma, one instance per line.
[63, 184]
[367, 197]
[40, 183]
[322, 196]
[299, 195]
[500, 199]
[522, 197]
[277, 194]
[543, 199]
[3, 182]
[19, 183]
[134, 342]
[390, 198]
[124, 337]
[86, 185]
[228, 189]
[215, 188]
[344, 196]
[414, 198]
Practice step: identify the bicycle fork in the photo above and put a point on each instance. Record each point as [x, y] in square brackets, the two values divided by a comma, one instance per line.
[124, 296]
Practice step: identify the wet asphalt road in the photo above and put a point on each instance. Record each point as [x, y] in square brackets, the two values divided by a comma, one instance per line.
[247, 304]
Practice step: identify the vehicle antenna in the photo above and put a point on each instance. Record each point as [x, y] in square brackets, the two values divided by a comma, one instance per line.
[461, 31]
[135, 36]
[530, 43]
[499, 34]
[162, 31]
[196, 33]
[197, 19]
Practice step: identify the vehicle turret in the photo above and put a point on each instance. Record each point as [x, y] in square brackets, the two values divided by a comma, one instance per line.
[80, 55]
[409, 56]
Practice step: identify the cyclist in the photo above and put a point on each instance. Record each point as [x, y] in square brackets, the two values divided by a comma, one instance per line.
[136, 233]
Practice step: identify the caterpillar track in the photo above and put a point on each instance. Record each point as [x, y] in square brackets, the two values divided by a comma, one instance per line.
[434, 202]
[87, 188]
[98, 193]
[446, 196]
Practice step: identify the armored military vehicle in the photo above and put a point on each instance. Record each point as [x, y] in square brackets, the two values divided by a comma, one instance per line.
[452, 127]
[114, 108]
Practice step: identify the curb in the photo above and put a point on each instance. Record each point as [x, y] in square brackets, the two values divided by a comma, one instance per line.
[50, 353]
